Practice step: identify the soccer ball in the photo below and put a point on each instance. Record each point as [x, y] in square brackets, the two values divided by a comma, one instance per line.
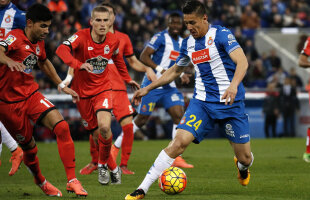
[172, 181]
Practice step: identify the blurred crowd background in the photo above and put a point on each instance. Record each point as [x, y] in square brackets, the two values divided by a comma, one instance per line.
[141, 19]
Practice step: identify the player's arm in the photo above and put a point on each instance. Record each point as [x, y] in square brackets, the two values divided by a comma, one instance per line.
[122, 70]
[171, 74]
[140, 67]
[303, 61]
[64, 53]
[13, 65]
[241, 62]
[69, 76]
[47, 67]
[146, 59]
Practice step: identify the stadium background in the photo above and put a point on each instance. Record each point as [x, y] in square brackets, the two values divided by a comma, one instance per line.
[271, 32]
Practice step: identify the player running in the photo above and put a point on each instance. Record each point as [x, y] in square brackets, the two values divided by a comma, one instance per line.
[304, 62]
[160, 54]
[91, 51]
[220, 66]
[20, 101]
[11, 18]
[122, 108]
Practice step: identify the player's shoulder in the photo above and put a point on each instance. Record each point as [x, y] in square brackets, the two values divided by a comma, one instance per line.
[18, 33]
[112, 38]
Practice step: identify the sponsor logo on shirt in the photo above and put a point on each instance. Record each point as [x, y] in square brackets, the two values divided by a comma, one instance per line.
[30, 62]
[229, 131]
[27, 47]
[231, 39]
[99, 64]
[174, 55]
[10, 39]
[201, 56]
[37, 50]
[73, 38]
[90, 48]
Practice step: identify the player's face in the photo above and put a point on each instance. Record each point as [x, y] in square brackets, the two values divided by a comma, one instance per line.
[39, 30]
[112, 16]
[100, 23]
[196, 25]
[4, 2]
[175, 25]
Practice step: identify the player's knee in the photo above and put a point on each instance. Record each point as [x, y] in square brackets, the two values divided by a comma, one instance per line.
[245, 158]
[62, 131]
[175, 148]
[104, 130]
[176, 119]
[141, 120]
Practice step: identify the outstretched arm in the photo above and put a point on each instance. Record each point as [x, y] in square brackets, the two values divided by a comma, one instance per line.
[303, 61]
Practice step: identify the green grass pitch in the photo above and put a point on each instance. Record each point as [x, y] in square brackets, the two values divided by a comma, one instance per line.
[278, 172]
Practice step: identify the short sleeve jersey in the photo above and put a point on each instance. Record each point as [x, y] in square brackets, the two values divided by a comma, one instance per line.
[166, 52]
[214, 69]
[85, 50]
[11, 18]
[125, 50]
[17, 86]
[306, 49]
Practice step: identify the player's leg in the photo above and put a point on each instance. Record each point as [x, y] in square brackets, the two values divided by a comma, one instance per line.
[105, 142]
[306, 155]
[163, 161]
[243, 160]
[17, 152]
[127, 143]
[94, 150]
[176, 112]
[54, 121]
[0, 146]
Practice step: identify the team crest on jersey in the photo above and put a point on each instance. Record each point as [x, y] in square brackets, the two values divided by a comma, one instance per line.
[106, 49]
[229, 130]
[174, 55]
[210, 41]
[201, 56]
[73, 38]
[99, 64]
[143, 109]
[37, 50]
[8, 19]
[30, 62]
[231, 39]
[10, 39]
[27, 47]
[183, 120]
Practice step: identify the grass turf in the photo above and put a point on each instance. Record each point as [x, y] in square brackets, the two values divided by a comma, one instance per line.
[278, 172]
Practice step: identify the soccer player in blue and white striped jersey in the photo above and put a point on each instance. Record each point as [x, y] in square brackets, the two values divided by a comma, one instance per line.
[10, 17]
[220, 65]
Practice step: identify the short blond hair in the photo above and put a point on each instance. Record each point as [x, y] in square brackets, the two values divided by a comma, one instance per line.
[99, 9]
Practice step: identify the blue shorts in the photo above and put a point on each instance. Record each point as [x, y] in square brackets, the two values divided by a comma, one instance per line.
[165, 97]
[200, 117]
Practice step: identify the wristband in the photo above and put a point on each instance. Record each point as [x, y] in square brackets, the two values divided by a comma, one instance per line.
[61, 85]
[159, 69]
[182, 74]
[68, 79]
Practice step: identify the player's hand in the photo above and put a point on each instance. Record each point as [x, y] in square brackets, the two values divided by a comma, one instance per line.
[75, 96]
[88, 67]
[150, 74]
[134, 85]
[230, 94]
[136, 99]
[15, 66]
[185, 78]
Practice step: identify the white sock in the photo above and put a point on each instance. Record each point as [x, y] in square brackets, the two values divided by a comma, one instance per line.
[162, 162]
[135, 127]
[115, 170]
[119, 139]
[242, 167]
[174, 130]
[0, 149]
[7, 139]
